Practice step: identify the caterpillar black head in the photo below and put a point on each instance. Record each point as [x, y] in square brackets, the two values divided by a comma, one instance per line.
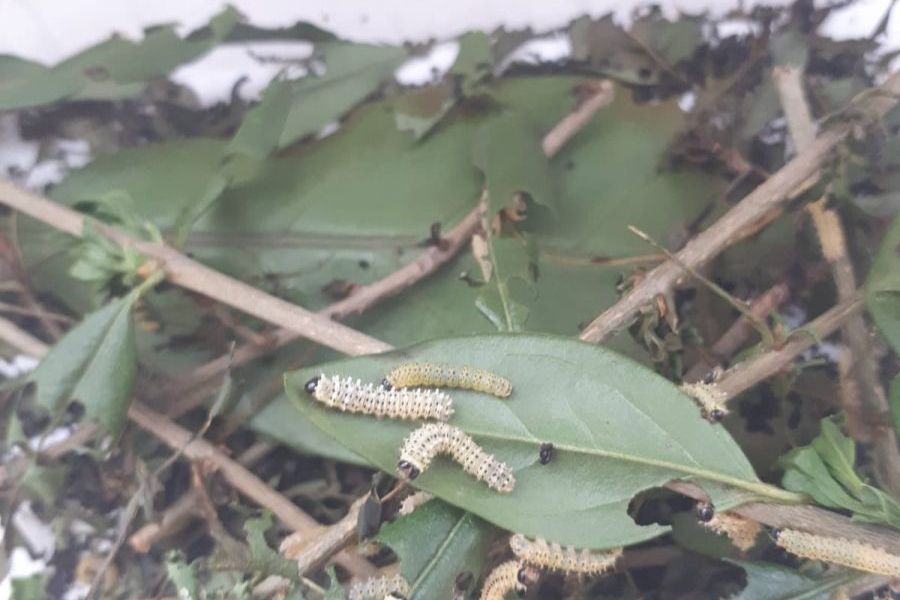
[546, 453]
[408, 469]
[386, 384]
[311, 385]
[715, 414]
[526, 577]
[705, 512]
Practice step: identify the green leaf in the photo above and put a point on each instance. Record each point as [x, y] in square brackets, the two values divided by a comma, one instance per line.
[825, 471]
[503, 303]
[262, 557]
[435, 544]
[183, 576]
[618, 429]
[767, 581]
[112, 69]
[94, 363]
[335, 591]
[474, 61]
[508, 152]
[261, 128]
[352, 72]
[883, 287]
[32, 587]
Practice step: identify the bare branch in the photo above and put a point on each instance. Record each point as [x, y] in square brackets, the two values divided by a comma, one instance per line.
[769, 195]
[21, 339]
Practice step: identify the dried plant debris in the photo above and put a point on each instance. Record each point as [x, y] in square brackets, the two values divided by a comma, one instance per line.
[435, 209]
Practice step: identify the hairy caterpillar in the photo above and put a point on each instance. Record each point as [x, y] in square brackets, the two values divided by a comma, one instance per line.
[420, 447]
[741, 531]
[551, 555]
[546, 453]
[379, 588]
[839, 551]
[506, 577]
[421, 374]
[710, 398]
[351, 395]
[412, 502]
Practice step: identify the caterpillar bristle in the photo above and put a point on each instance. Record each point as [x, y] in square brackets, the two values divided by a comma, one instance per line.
[379, 588]
[839, 551]
[507, 577]
[552, 556]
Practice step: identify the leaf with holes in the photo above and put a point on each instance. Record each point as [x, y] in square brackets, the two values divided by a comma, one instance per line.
[618, 429]
[437, 544]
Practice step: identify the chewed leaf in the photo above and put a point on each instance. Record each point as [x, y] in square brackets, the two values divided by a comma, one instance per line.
[616, 427]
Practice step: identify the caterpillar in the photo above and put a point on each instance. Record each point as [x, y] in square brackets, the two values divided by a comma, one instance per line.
[422, 374]
[506, 577]
[351, 395]
[840, 551]
[379, 588]
[710, 398]
[741, 531]
[550, 555]
[545, 454]
[423, 444]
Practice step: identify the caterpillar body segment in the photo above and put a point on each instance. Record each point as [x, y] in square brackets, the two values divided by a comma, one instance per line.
[709, 397]
[379, 588]
[506, 577]
[840, 551]
[552, 556]
[423, 444]
[352, 395]
[423, 374]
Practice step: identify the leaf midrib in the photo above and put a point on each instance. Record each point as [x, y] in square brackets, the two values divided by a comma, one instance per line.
[432, 562]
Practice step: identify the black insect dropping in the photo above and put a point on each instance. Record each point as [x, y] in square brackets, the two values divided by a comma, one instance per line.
[546, 453]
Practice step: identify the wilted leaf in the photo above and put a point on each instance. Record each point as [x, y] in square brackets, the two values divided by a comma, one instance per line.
[671, 41]
[94, 363]
[767, 581]
[617, 427]
[419, 111]
[503, 302]
[435, 544]
[883, 287]
[352, 72]
[508, 152]
[825, 471]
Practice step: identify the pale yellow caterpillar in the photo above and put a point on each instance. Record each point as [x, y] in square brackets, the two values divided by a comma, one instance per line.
[550, 555]
[840, 551]
[741, 531]
[710, 398]
[378, 588]
[423, 444]
[506, 577]
[422, 374]
[351, 395]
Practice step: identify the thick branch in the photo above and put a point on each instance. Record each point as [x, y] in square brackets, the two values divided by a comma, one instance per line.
[189, 274]
[865, 402]
[769, 195]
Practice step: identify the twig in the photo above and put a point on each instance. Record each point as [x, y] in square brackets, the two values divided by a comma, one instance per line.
[239, 477]
[21, 339]
[189, 274]
[748, 373]
[739, 332]
[331, 539]
[869, 402]
[425, 264]
[769, 195]
[775, 515]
